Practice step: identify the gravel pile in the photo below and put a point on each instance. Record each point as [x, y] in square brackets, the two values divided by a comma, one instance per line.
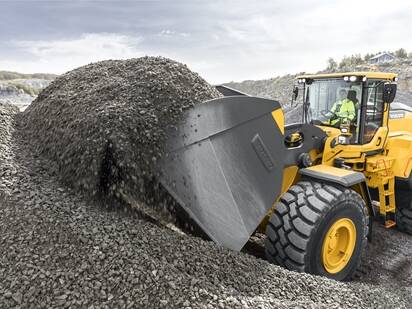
[102, 125]
[7, 114]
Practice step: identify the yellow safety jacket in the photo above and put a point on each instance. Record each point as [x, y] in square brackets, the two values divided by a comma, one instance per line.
[344, 111]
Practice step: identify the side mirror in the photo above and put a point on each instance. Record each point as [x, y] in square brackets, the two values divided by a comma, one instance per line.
[295, 93]
[389, 92]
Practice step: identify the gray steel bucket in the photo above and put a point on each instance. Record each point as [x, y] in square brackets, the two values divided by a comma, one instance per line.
[224, 166]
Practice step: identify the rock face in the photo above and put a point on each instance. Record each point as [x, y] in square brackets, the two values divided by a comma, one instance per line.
[102, 125]
[404, 94]
[21, 92]
[10, 94]
[37, 83]
[10, 90]
[278, 88]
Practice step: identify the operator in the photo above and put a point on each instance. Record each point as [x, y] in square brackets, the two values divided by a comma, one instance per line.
[343, 110]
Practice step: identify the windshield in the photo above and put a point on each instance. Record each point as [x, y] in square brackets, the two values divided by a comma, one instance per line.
[333, 102]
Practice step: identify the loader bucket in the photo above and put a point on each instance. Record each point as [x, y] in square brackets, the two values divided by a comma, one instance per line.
[224, 165]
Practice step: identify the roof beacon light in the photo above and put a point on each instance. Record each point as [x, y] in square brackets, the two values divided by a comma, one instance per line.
[353, 78]
[346, 78]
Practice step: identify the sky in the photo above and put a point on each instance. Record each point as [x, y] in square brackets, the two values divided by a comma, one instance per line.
[221, 40]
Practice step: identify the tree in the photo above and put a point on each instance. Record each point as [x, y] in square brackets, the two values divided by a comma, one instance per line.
[348, 62]
[410, 56]
[332, 65]
[368, 57]
[401, 53]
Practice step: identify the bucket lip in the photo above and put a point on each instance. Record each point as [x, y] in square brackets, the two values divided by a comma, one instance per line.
[247, 98]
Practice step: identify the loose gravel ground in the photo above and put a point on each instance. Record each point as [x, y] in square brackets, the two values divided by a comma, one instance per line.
[59, 248]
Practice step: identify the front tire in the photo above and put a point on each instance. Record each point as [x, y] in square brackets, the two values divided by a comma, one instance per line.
[319, 229]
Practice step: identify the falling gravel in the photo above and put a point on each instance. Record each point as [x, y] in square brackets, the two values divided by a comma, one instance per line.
[102, 125]
[59, 249]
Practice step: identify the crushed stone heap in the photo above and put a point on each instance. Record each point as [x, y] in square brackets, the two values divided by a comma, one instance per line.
[7, 113]
[102, 125]
[7, 117]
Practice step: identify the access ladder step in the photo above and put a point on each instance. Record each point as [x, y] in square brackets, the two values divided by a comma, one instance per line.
[389, 224]
[390, 209]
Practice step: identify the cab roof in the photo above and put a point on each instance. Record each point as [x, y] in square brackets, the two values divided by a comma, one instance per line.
[378, 75]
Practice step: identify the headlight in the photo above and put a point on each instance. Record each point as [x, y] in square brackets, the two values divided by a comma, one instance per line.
[352, 78]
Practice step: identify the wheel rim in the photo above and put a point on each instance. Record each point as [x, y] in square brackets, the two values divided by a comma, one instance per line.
[338, 245]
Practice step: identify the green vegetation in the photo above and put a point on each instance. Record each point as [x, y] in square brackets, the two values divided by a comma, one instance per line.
[7, 75]
[26, 88]
[332, 65]
[351, 61]
[401, 54]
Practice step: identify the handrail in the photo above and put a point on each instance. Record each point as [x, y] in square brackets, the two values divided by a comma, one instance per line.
[384, 164]
[406, 166]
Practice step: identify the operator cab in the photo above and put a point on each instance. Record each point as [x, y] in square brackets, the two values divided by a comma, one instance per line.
[351, 102]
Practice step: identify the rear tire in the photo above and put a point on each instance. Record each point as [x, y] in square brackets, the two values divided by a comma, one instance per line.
[403, 214]
[301, 220]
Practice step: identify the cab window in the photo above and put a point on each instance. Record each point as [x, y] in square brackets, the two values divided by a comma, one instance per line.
[374, 110]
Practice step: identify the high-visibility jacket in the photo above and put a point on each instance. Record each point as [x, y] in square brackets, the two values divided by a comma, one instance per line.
[344, 111]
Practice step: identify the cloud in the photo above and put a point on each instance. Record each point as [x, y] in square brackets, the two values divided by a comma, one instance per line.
[172, 33]
[58, 56]
[221, 40]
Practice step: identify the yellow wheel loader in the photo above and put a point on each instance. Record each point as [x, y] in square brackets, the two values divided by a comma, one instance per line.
[313, 187]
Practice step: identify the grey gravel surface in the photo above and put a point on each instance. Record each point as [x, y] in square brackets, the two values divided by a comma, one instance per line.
[389, 261]
[59, 248]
